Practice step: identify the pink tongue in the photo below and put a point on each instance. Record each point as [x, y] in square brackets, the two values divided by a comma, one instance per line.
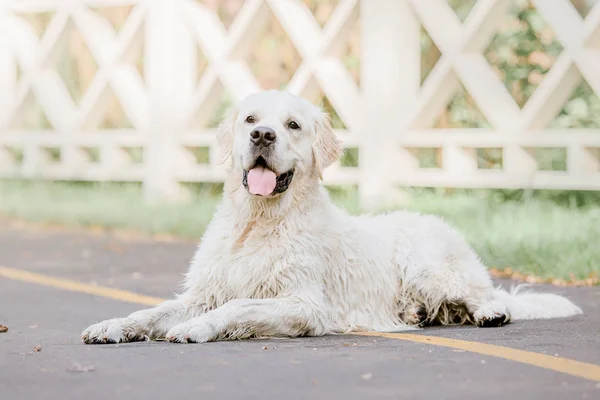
[261, 181]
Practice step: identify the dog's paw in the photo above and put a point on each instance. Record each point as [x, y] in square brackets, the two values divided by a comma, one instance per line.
[116, 330]
[491, 315]
[417, 316]
[196, 330]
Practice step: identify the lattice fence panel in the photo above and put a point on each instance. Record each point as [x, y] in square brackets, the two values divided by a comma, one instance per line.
[518, 137]
[131, 90]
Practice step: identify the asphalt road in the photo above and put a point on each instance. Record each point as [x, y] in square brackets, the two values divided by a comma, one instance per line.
[339, 367]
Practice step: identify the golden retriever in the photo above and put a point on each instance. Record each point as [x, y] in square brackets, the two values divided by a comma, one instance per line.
[279, 259]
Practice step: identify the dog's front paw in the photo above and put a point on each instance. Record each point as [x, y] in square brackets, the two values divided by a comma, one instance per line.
[196, 330]
[116, 330]
[491, 315]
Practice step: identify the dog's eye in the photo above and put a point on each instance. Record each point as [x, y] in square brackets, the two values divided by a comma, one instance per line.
[250, 119]
[293, 125]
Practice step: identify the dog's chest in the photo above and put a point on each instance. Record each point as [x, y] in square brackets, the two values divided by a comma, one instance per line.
[259, 267]
[261, 262]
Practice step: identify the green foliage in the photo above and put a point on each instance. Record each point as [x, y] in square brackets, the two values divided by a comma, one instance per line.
[549, 234]
[524, 52]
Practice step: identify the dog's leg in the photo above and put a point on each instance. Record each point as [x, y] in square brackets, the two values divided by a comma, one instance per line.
[460, 290]
[478, 303]
[241, 319]
[481, 298]
[150, 323]
[488, 311]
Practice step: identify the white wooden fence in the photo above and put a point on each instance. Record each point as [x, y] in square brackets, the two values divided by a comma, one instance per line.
[387, 117]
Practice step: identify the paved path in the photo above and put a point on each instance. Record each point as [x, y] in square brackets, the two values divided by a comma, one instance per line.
[341, 367]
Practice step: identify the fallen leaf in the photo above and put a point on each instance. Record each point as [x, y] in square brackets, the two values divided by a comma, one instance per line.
[37, 348]
[3, 328]
[115, 248]
[592, 280]
[80, 368]
[137, 275]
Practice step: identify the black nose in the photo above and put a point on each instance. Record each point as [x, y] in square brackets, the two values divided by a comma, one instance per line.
[263, 136]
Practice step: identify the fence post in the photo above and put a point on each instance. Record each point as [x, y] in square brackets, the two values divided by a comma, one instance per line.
[170, 76]
[8, 74]
[8, 69]
[390, 80]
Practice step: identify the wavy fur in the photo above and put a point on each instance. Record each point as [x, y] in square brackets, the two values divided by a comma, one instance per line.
[295, 265]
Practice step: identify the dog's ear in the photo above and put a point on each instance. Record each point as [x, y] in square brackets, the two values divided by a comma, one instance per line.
[327, 149]
[225, 135]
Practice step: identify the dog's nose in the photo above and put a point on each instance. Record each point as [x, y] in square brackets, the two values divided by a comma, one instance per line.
[263, 136]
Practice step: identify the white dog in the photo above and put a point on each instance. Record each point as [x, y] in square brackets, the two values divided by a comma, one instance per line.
[279, 259]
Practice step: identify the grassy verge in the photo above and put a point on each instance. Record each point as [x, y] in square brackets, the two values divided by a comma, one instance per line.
[547, 236]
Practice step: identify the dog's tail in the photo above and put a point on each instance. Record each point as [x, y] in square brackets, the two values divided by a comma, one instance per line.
[528, 305]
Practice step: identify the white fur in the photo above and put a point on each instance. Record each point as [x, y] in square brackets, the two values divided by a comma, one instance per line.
[295, 265]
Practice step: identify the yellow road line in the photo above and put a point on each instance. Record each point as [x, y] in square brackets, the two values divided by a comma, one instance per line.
[65, 284]
[558, 364]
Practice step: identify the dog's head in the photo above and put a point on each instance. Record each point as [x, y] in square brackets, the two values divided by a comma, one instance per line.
[275, 140]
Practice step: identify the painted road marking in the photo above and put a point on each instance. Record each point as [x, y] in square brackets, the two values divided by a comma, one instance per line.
[65, 284]
[558, 364]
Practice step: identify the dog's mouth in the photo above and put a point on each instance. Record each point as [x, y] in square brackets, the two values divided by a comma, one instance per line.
[260, 180]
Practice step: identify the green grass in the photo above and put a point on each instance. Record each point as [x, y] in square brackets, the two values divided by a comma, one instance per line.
[545, 234]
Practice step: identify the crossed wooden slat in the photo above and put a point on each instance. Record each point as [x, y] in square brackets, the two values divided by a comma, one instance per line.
[40, 81]
[226, 51]
[108, 49]
[579, 59]
[320, 51]
[227, 70]
[462, 60]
